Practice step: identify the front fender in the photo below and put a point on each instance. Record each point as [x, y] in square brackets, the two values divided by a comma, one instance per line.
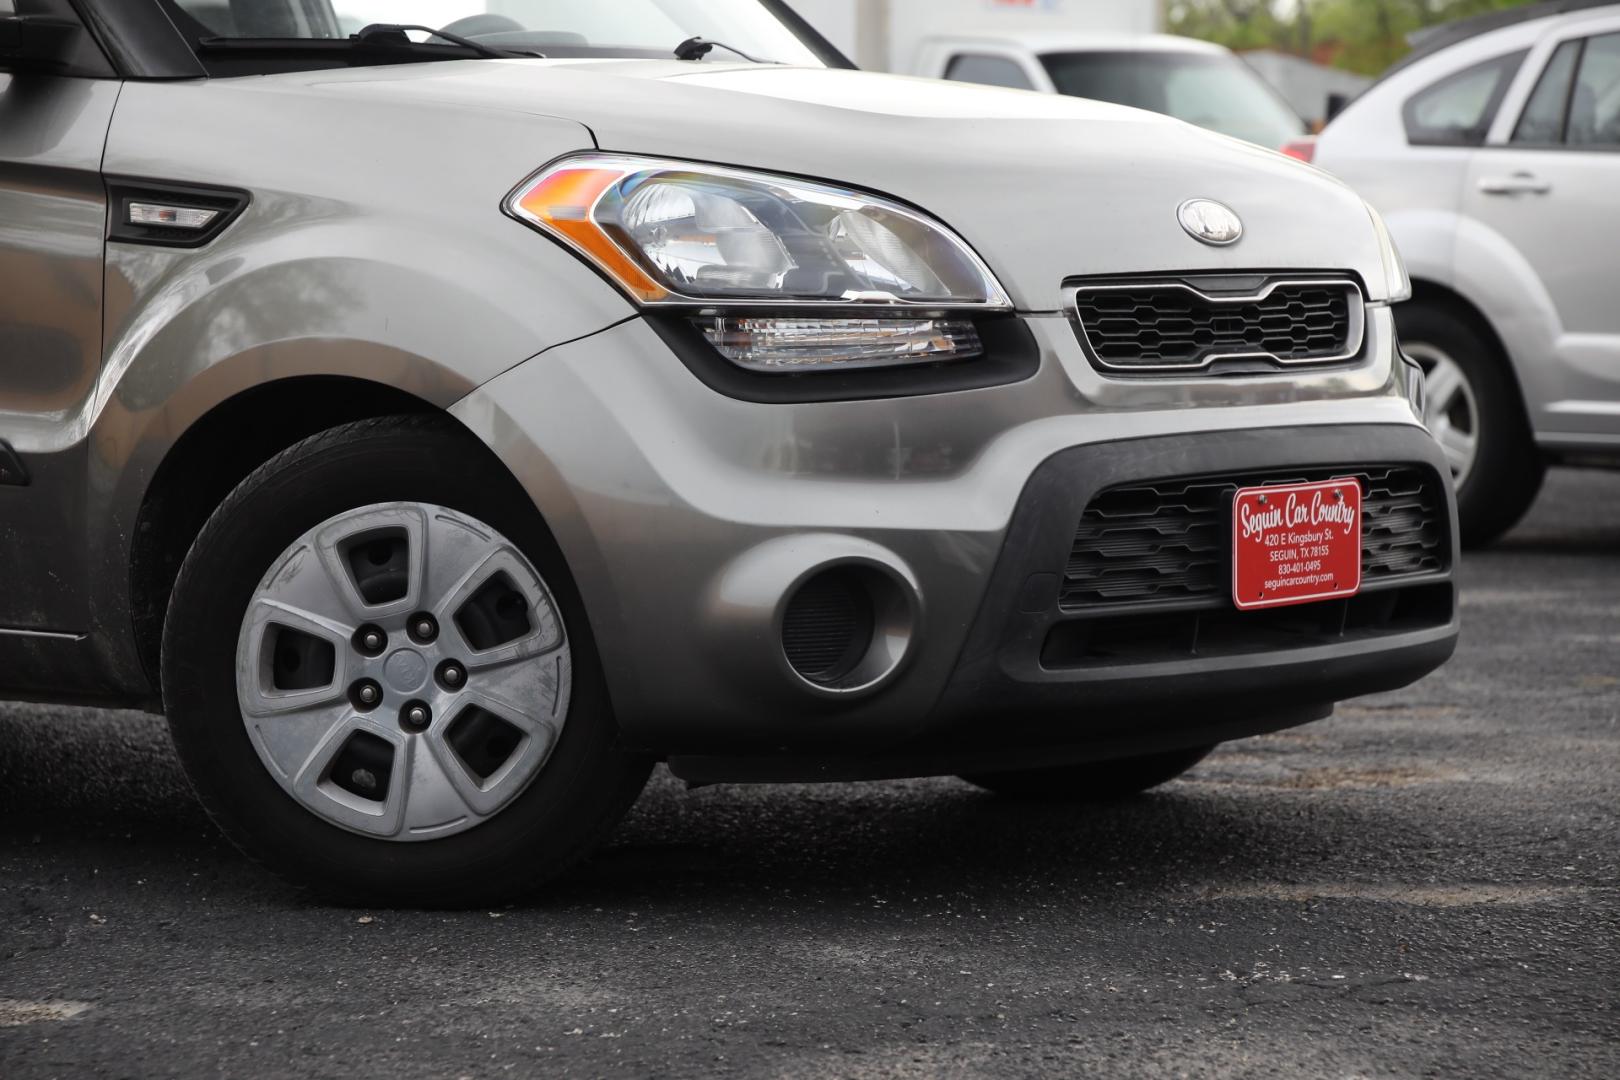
[433, 316]
[1493, 275]
[1427, 241]
[1467, 257]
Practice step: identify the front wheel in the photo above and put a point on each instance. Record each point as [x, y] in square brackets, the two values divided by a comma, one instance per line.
[1474, 412]
[380, 679]
[1096, 781]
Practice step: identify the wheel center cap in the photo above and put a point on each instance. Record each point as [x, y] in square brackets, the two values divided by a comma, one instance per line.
[406, 671]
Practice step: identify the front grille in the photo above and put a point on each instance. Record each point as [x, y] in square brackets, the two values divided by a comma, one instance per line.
[1195, 324]
[1170, 540]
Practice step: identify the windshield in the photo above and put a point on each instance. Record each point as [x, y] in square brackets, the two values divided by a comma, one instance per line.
[1218, 92]
[552, 27]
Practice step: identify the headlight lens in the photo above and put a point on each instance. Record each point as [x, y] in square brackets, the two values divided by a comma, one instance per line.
[777, 345]
[672, 233]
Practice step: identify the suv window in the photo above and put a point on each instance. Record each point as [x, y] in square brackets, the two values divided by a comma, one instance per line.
[1577, 100]
[1594, 107]
[988, 70]
[1543, 118]
[1458, 110]
[1218, 91]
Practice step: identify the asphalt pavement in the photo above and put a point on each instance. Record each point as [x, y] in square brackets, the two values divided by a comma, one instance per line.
[1426, 885]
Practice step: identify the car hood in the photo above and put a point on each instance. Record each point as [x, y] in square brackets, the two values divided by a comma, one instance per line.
[1047, 188]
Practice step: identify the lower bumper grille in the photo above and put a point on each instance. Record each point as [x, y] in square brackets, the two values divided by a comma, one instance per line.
[1159, 637]
[1170, 540]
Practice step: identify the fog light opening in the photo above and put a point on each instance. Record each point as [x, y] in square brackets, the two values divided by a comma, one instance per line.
[847, 628]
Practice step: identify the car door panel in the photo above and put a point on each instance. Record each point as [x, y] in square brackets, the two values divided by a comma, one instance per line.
[1547, 188]
[52, 223]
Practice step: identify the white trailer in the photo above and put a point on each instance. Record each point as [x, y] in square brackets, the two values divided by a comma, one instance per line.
[885, 35]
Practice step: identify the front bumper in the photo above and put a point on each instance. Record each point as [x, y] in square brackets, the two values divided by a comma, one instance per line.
[667, 498]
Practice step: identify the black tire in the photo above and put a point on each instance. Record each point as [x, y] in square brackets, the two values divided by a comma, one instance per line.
[585, 786]
[1508, 469]
[1096, 781]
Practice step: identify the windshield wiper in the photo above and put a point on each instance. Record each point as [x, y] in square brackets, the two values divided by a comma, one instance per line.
[394, 34]
[387, 39]
[696, 48]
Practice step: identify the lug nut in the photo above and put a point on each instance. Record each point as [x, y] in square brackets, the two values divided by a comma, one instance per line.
[452, 676]
[370, 640]
[415, 716]
[424, 628]
[366, 695]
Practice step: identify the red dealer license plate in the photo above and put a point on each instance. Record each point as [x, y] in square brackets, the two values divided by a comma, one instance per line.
[1296, 544]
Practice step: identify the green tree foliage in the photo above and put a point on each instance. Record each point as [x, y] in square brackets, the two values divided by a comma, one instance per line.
[1364, 36]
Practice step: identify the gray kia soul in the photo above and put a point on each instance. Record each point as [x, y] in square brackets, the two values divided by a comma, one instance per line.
[443, 424]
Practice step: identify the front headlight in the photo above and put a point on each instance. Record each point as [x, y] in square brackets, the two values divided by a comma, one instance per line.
[671, 232]
[736, 246]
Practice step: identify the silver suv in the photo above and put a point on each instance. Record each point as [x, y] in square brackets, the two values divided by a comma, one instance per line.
[1494, 154]
[442, 426]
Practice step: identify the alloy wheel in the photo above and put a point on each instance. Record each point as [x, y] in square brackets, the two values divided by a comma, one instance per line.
[403, 671]
[1451, 408]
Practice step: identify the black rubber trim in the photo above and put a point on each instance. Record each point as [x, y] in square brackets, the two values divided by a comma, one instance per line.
[987, 755]
[140, 39]
[1011, 355]
[52, 41]
[121, 191]
[12, 471]
[829, 53]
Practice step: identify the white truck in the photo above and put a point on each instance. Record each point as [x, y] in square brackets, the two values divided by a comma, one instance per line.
[1106, 51]
[885, 35]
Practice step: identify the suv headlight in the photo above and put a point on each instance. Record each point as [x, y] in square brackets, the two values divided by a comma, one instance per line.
[740, 247]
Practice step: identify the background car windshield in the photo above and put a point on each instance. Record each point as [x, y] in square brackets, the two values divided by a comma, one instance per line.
[555, 27]
[1217, 92]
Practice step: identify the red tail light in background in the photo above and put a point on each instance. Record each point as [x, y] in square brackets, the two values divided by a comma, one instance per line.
[1300, 149]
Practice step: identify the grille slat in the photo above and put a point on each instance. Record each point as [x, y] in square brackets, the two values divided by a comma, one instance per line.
[1172, 325]
[1169, 540]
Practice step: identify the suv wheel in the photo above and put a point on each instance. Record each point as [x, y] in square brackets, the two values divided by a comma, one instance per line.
[1095, 781]
[1473, 410]
[380, 679]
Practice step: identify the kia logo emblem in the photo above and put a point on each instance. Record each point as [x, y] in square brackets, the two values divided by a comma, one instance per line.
[1210, 222]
